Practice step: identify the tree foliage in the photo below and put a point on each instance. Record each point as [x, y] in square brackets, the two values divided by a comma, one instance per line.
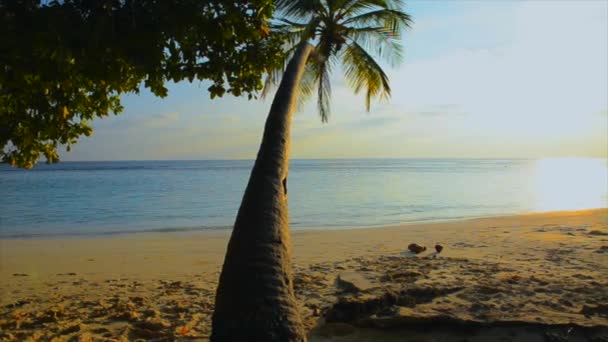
[64, 63]
[355, 32]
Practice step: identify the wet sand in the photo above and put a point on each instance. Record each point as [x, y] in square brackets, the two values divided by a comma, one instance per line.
[525, 277]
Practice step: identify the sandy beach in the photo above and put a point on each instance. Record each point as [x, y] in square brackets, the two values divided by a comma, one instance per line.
[526, 277]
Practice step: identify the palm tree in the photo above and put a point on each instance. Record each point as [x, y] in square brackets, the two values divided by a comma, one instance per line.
[255, 299]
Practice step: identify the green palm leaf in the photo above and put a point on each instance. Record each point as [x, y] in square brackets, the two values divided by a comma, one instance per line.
[362, 71]
[357, 31]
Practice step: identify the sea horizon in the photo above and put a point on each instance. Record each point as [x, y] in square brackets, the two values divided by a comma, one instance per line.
[105, 198]
[318, 158]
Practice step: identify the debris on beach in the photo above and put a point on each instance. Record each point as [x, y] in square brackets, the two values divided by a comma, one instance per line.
[416, 248]
[438, 248]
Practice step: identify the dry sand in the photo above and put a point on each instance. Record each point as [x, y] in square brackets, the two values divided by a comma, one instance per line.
[526, 277]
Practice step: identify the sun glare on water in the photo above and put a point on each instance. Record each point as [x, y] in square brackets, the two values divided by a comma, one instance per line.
[570, 184]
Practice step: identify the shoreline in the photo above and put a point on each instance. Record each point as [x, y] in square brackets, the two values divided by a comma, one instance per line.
[541, 269]
[227, 229]
[205, 249]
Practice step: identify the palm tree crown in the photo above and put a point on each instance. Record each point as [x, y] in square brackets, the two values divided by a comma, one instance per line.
[353, 31]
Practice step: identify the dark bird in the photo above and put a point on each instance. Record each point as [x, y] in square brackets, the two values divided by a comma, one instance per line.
[416, 248]
[438, 248]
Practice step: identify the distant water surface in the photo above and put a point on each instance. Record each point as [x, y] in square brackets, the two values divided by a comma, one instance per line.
[98, 198]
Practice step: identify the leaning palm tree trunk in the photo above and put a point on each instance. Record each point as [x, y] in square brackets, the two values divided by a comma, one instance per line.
[255, 299]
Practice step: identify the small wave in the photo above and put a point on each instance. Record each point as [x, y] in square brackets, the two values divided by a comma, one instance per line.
[102, 233]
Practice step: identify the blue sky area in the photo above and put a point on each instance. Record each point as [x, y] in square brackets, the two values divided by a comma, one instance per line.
[480, 79]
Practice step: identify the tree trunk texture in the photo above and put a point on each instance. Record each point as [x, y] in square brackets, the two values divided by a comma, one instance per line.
[255, 298]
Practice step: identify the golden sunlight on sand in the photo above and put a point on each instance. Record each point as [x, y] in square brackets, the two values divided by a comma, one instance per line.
[535, 274]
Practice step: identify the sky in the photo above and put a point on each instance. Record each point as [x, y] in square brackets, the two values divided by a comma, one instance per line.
[480, 79]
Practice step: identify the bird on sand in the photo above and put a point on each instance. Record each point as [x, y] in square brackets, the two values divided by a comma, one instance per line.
[416, 248]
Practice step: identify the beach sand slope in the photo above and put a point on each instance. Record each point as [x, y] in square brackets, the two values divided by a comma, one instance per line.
[536, 277]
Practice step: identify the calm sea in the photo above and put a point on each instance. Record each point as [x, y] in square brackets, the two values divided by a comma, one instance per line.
[99, 198]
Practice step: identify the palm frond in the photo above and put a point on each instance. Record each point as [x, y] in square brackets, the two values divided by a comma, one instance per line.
[274, 76]
[362, 71]
[323, 90]
[294, 35]
[272, 79]
[320, 65]
[307, 86]
[294, 32]
[301, 9]
[324, 93]
[355, 7]
[383, 43]
[367, 29]
[287, 23]
[394, 20]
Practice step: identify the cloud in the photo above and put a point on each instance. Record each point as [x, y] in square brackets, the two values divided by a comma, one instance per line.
[535, 82]
[555, 60]
[160, 120]
[138, 121]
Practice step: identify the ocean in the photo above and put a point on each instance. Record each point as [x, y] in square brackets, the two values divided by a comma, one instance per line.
[104, 198]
